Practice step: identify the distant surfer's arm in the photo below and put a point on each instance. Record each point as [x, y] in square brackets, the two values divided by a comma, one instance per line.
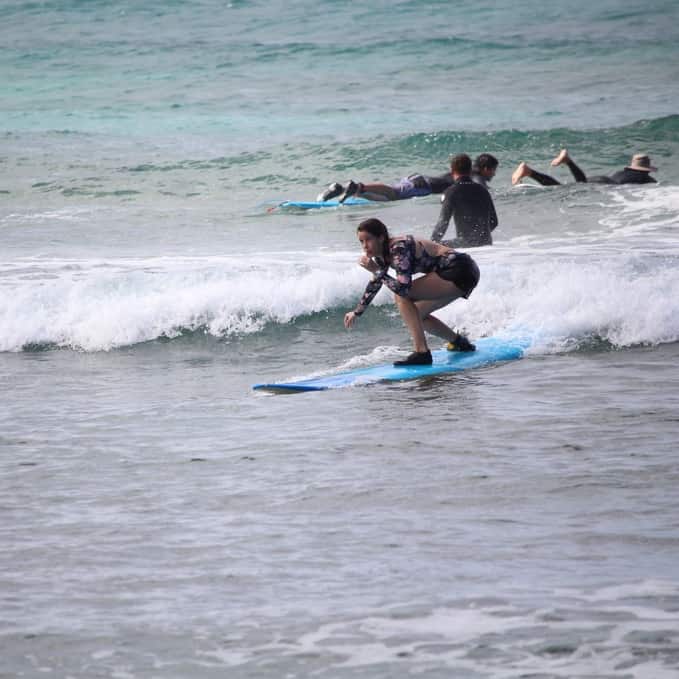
[444, 217]
[492, 214]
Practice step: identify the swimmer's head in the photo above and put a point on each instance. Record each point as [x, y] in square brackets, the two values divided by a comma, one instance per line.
[642, 162]
[486, 165]
[461, 164]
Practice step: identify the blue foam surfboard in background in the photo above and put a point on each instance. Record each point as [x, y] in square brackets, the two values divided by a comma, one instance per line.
[489, 350]
[316, 204]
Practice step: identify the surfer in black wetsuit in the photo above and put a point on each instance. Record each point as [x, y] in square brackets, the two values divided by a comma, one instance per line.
[470, 206]
[637, 172]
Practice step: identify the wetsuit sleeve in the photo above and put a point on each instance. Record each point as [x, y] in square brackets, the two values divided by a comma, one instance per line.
[492, 214]
[440, 184]
[444, 216]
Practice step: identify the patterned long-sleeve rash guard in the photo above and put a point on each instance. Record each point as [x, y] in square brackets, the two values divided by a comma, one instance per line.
[405, 263]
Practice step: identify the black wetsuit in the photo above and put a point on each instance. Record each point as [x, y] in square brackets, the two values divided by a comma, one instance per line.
[479, 179]
[626, 176]
[472, 209]
[441, 183]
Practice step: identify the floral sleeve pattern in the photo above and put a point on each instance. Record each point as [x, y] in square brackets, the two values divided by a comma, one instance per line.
[370, 291]
[402, 261]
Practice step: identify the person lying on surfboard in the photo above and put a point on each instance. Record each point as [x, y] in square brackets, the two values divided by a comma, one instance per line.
[485, 166]
[637, 172]
[448, 276]
[407, 187]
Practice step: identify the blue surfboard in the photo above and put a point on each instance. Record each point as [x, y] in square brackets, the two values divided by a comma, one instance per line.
[488, 351]
[316, 204]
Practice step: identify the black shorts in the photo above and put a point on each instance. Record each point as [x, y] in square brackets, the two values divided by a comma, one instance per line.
[461, 269]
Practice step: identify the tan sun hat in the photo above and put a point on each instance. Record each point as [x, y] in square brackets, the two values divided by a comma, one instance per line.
[641, 161]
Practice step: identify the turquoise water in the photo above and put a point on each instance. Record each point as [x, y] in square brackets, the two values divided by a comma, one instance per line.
[161, 519]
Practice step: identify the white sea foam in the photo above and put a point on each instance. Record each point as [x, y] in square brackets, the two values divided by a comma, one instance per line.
[625, 297]
[95, 305]
[579, 634]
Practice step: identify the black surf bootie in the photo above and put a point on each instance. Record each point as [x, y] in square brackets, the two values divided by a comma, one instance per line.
[332, 191]
[460, 343]
[351, 189]
[416, 358]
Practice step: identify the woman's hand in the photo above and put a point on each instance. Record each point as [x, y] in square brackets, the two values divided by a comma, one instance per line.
[369, 264]
[349, 319]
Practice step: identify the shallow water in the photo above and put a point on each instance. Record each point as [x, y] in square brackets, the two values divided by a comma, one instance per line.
[160, 518]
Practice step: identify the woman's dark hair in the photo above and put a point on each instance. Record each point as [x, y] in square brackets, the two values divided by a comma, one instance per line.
[376, 228]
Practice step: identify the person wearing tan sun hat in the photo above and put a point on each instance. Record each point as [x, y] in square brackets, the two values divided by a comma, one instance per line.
[637, 172]
[642, 163]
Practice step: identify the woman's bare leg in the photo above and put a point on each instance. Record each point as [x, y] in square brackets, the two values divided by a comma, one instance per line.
[435, 326]
[429, 293]
[413, 321]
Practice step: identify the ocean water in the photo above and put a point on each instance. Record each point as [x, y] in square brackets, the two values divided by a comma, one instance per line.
[159, 518]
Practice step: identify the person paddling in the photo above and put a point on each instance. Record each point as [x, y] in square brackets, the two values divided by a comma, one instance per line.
[637, 172]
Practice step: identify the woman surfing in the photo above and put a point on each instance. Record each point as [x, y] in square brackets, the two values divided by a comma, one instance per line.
[448, 275]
